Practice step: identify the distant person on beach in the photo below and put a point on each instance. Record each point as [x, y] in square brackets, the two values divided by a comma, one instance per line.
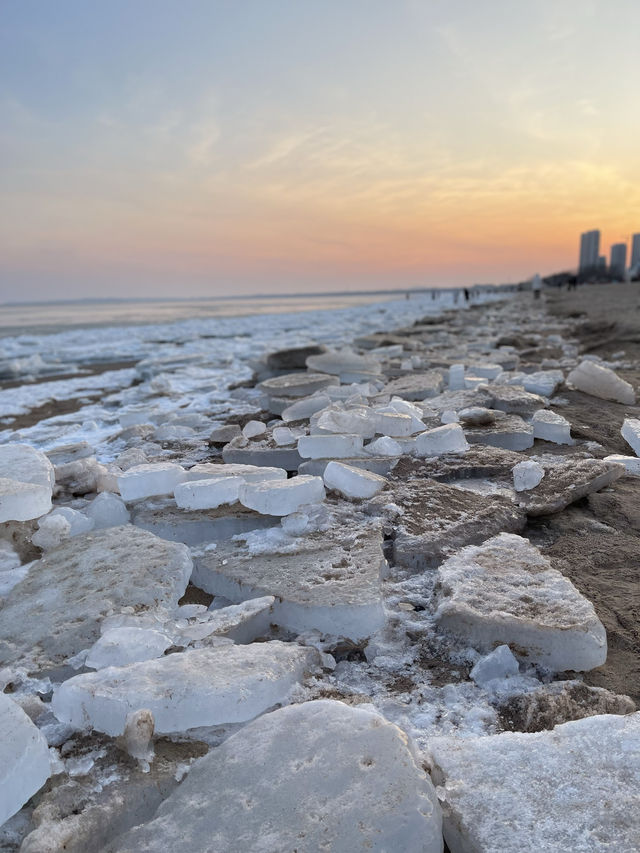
[536, 286]
[466, 294]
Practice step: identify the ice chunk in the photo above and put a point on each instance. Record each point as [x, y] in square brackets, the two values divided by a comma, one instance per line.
[485, 370]
[285, 436]
[281, 497]
[208, 494]
[200, 687]
[509, 432]
[543, 382]
[394, 424]
[505, 591]
[79, 523]
[456, 377]
[155, 478]
[551, 426]
[342, 779]
[328, 580]
[303, 409]
[527, 475]
[631, 433]
[631, 463]
[27, 465]
[444, 439]
[407, 408]
[384, 446]
[572, 789]
[567, 482]
[248, 473]
[600, 381]
[21, 501]
[297, 384]
[358, 420]
[82, 476]
[138, 736]
[73, 588]
[352, 482]
[254, 428]
[24, 758]
[52, 530]
[500, 663]
[107, 510]
[329, 446]
[120, 646]
[343, 362]
[514, 400]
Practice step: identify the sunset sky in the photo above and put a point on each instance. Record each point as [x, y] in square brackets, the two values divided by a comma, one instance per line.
[217, 147]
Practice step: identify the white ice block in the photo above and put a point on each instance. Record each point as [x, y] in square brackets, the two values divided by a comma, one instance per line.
[248, 473]
[26, 464]
[600, 381]
[394, 424]
[20, 501]
[341, 779]
[253, 429]
[303, 409]
[107, 510]
[360, 420]
[444, 439]
[631, 433]
[631, 463]
[208, 494]
[505, 591]
[574, 788]
[527, 475]
[550, 426]
[329, 446]
[281, 497]
[155, 478]
[200, 687]
[500, 663]
[456, 377]
[125, 645]
[24, 758]
[352, 482]
[384, 446]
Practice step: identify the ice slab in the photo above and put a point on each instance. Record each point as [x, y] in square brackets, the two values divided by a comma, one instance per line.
[329, 446]
[341, 779]
[343, 362]
[456, 377]
[510, 432]
[550, 426]
[303, 409]
[281, 497]
[107, 510]
[56, 611]
[123, 645]
[326, 580]
[297, 384]
[574, 788]
[380, 465]
[480, 461]
[631, 433]
[352, 482]
[435, 519]
[356, 420]
[208, 494]
[505, 591]
[394, 424]
[248, 473]
[193, 527]
[600, 381]
[631, 463]
[384, 446]
[567, 482]
[515, 400]
[27, 465]
[200, 687]
[21, 501]
[527, 475]
[500, 663]
[24, 758]
[252, 429]
[261, 453]
[542, 382]
[444, 439]
[155, 478]
[418, 386]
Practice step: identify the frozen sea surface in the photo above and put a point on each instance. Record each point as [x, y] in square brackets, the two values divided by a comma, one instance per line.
[187, 365]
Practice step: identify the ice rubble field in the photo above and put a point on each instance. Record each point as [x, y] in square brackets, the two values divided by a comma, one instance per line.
[269, 589]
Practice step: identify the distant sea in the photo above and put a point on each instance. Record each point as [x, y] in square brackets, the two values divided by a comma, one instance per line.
[48, 317]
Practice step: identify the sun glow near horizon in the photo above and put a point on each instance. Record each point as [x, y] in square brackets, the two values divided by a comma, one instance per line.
[205, 148]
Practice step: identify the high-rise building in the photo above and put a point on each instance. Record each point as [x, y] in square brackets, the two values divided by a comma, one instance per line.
[618, 263]
[589, 251]
[635, 251]
[602, 263]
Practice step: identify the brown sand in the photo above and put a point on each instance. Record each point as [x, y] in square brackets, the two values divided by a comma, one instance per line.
[597, 541]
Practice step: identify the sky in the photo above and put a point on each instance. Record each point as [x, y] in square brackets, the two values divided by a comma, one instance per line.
[220, 147]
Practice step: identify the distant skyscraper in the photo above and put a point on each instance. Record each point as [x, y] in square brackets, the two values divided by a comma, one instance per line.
[589, 251]
[618, 263]
[602, 263]
[635, 251]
